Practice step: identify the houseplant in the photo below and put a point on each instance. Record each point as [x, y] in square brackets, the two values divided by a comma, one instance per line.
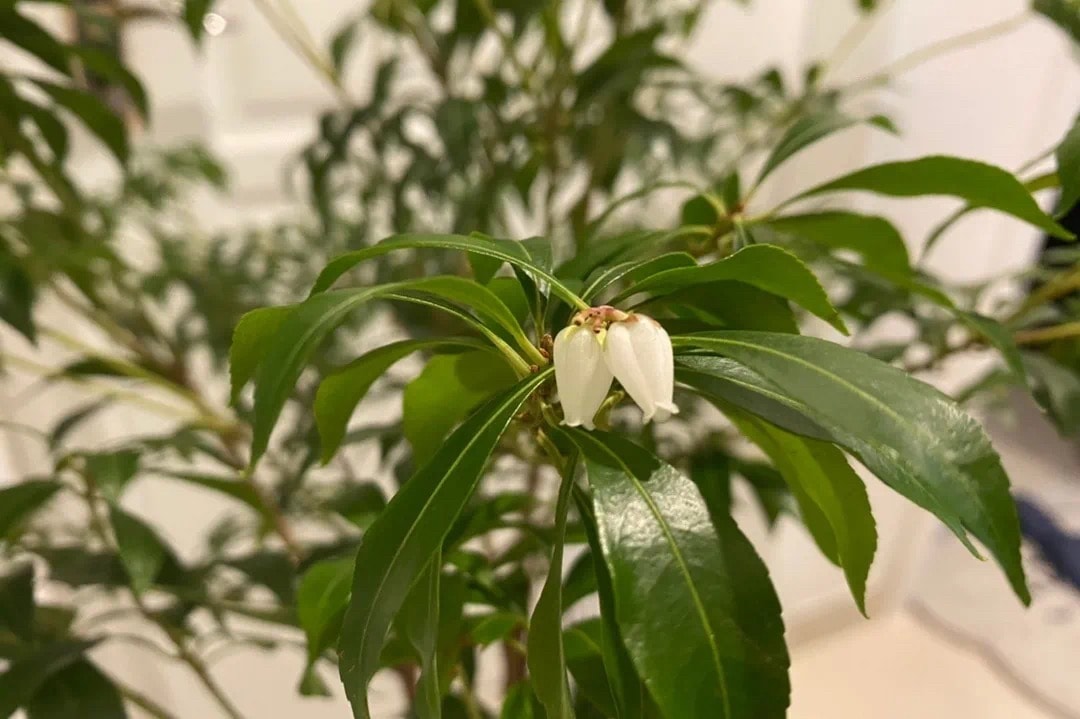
[493, 485]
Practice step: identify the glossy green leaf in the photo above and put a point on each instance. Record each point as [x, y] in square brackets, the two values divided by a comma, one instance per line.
[419, 621]
[491, 310]
[628, 692]
[303, 329]
[766, 267]
[717, 649]
[445, 392]
[599, 252]
[811, 128]
[17, 599]
[913, 437]
[98, 118]
[401, 542]
[78, 690]
[980, 184]
[142, 551]
[321, 599]
[506, 251]
[300, 332]
[19, 501]
[252, 339]
[877, 242]
[636, 271]
[111, 472]
[825, 486]
[1068, 165]
[342, 390]
[729, 304]
[546, 657]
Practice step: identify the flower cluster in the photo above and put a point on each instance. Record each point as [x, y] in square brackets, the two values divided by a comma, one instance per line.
[602, 344]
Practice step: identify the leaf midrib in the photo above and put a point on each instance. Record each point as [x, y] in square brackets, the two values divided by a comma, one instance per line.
[683, 568]
[525, 390]
[965, 482]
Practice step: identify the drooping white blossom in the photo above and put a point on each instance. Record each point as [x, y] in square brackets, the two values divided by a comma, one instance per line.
[581, 375]
[637, 351]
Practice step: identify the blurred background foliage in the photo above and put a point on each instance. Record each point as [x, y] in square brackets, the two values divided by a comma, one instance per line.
[503, 117]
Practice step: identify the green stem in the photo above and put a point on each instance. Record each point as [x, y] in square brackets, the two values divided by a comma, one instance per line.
[854, 37]
[943, 47]
[1043, 335]
[294, 33]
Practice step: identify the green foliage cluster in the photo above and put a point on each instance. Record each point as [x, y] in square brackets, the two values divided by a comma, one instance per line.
[477, 518]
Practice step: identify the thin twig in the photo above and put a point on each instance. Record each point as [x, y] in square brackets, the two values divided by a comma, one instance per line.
[1043, 335]
[943, 47]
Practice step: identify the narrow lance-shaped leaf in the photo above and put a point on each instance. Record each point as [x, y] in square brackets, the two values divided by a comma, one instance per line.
[252, 338]
[913, 437]
[321, 599]
[636, 271]
[809, 129]
[288, 341]
[419, 620]
[401, 542]
[824, 485]
[875, 239]
[341, 391]
[506, 251]
[546, 655]
[717, 648]
[628, 692]
[446, 391]
[980, 184]
[766, 267]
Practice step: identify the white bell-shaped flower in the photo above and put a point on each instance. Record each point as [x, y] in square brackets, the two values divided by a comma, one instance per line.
[638, 352]
[581, 376]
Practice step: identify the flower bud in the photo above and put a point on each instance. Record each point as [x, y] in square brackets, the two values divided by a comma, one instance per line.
[638, 353]
[581, 376]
